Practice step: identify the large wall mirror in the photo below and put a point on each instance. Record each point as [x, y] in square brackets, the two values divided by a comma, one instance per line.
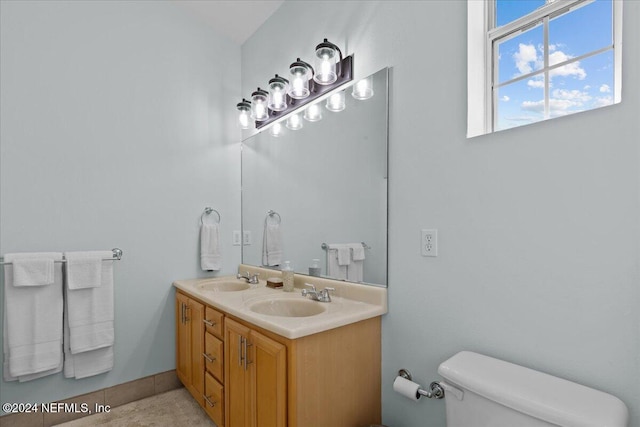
[318, 192]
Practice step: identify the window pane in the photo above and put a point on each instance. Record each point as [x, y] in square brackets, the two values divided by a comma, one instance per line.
[581, 31]
[510, 10]
[520, 55]
[520, 103]
[592, 88]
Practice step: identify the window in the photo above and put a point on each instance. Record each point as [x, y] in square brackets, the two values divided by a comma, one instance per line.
[532, 60]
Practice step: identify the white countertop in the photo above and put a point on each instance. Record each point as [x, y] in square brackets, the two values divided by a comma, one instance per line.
[347, 306]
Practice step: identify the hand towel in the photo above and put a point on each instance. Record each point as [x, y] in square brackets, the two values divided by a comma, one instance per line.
[32, 272]
[272, 252]
[334, 269]
[357, 251]
[343, 253]
[88, 363]
[210, 247]
[84, 269]
[32, 330]
[355, 271]
[91, 310]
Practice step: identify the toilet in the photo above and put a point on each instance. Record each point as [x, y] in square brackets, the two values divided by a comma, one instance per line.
[481, 391]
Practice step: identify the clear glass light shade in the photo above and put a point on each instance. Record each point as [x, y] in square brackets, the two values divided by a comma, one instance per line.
[299, 87]
[325, 65]
[278, 94]
[294, 122]
[244, 114]
[336, 102]
[363, 89]
[313, 113]
[276, 130]
[259, 110]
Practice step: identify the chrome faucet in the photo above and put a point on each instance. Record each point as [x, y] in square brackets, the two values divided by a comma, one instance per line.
[250, 278]
[314, 294]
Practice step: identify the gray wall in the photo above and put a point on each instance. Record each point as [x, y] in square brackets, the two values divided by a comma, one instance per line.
[118, 128]
[538, 226]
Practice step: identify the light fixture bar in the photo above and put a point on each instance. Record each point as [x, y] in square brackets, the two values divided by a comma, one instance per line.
[346, 75]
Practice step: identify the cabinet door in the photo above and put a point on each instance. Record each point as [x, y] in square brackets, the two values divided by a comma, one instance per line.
[268, 371]
[195, 316]
[236, 379]
[183, 340]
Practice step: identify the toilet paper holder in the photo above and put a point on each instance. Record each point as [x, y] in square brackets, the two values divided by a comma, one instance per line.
[436, 391]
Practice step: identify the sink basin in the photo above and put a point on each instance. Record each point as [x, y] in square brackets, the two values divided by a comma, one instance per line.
[225, 286]
[288, 308]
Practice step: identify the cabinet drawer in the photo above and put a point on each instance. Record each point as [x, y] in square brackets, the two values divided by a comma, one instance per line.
[214, 322]
[214, 399]
[214, 356]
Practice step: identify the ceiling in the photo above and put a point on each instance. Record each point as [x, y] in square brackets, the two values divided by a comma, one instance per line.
[237, 20]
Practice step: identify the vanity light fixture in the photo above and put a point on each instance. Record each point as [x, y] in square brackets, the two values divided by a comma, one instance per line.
[259, 110]
[305, 86]
[278, 93]
[363, 89]
[301, 74]
[244, 113]
[294, 122]
[336, 102]
[313, 113]
[276, 130]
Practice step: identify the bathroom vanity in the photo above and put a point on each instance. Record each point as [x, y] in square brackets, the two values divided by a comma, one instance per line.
[255, 356]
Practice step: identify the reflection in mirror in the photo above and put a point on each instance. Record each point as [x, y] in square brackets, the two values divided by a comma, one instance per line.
[320, 192]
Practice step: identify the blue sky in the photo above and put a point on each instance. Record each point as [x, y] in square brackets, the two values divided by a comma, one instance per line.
[577, 86]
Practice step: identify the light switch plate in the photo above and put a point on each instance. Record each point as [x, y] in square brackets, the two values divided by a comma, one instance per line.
[237, 238]
[246, 238]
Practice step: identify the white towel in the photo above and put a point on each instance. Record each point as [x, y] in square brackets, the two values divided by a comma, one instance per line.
[355, 270]
[210, 247]
[32, 330]
[32, 272]
[272, 252]
[91, 310]
[84, 269]
[88, 363]
[357, 251]
[334, 269]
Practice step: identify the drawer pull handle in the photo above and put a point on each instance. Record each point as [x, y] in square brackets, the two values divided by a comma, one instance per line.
[210, 359]
[209, 402]
[209, 323]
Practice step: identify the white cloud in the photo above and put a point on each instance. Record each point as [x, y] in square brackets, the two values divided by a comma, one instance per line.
[505, 98]
[603, 101]
[572, 69]
[525, 57]
[538, 84]
[605, 88]
[557, 107]
[587, 87]
[572, 95]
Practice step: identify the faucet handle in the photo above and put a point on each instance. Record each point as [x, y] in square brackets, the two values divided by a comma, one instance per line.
[325, 294]
[313, 287]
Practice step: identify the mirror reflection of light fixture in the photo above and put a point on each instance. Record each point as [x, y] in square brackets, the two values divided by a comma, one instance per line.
[259, 110]
[294, 122]
[276, 130]
[278, 93]
[326, 58]
[244, 113]
[363, 89]
[300, 74]
[313, 113]
[287, 96]
[336, 102]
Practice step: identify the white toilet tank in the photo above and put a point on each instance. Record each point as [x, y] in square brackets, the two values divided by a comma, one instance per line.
[496, 393]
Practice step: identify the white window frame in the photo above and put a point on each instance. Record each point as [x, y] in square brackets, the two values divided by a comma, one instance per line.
[482, 58]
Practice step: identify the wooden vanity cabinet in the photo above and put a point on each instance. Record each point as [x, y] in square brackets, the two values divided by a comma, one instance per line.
[256, 378]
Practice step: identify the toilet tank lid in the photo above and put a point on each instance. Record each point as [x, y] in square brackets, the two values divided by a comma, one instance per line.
[534, 393]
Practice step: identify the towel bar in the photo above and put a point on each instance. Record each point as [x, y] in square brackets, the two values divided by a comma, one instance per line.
[117, 256]
[271, 214]
[326, 247]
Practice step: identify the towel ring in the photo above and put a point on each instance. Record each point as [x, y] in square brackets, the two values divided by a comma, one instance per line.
[207, 211]
[272, 213]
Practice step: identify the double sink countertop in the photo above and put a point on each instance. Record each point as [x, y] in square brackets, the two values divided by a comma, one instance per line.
[288, 314]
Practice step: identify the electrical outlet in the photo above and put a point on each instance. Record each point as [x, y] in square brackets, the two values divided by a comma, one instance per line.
[246, 238]
[429, 242]
[237, 238]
